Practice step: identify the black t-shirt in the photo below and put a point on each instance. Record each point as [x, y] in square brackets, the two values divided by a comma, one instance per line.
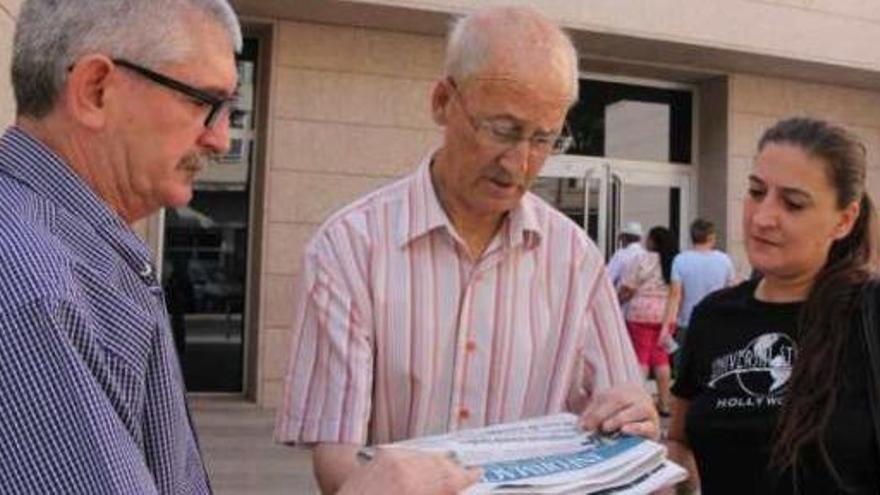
[735, 368]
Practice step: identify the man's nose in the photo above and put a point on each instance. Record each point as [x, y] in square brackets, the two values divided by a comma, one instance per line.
[216, 137]
[516, 158]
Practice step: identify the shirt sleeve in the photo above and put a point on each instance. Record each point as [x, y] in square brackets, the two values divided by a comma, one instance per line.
[614, 266]
[60, 430]
[608, 356]
[327, 392]
[632, 275]
[675, 276]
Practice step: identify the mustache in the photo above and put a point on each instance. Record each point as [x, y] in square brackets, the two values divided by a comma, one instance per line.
[503, 175]
[198, 161]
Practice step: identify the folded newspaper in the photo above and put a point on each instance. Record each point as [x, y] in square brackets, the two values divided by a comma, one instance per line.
[553, 455]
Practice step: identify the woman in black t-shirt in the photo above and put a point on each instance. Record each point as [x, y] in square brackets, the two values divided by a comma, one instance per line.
[772, 392]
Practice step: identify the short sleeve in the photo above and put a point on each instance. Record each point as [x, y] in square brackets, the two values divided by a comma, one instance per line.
[676, 268]
[329, 375]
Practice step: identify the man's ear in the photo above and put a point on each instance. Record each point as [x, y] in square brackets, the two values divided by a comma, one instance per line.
[441, 97]
[86, 90]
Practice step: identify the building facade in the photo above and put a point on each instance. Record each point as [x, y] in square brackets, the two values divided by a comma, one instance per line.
[675, 94]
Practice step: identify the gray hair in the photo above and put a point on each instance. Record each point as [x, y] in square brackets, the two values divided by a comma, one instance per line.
[50, 36]
[470, 41]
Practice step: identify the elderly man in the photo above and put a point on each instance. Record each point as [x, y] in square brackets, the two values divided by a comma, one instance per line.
[454, 298]
[119, 103]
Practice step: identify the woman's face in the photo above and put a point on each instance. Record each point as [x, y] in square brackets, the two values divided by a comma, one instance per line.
[790, 214]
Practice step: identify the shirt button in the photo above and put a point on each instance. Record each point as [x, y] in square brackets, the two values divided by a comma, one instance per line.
[470, 346]
[147, 270]
[464, 413]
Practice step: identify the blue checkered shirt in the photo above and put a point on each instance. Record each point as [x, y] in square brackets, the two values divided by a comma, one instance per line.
[91, 396]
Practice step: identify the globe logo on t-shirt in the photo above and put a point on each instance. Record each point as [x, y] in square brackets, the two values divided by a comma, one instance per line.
[761, 368]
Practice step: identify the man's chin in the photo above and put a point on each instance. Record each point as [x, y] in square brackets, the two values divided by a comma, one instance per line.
[179, 198]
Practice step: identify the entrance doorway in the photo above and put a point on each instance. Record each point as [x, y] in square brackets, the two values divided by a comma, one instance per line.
[205, 256]
[632, 160]
[602, 194]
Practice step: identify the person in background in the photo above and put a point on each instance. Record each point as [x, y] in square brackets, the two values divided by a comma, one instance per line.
[454, 298]
[629, 248]
[644, 289]
[772, 395]
[696, 273]
[119, 104]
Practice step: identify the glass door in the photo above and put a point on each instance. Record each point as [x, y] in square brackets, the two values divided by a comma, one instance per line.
[602, 194]
[205, 253]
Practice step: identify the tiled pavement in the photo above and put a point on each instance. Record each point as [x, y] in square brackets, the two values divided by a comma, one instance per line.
[236, 439]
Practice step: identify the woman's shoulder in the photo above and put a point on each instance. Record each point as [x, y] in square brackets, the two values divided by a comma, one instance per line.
[739, 295]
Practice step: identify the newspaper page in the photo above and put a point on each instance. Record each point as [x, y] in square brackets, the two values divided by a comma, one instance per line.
[553, 455]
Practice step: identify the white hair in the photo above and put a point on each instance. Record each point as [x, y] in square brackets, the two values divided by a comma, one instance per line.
[51, 35]
[472, 38]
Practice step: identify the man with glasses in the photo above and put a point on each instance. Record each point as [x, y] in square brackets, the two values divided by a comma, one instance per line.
[455, 298]
[119, 104]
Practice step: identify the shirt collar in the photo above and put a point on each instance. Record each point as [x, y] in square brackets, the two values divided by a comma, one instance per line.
[27, 160]
[424, 214]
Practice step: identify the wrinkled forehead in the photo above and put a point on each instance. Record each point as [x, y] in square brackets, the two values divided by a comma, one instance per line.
[512, 88]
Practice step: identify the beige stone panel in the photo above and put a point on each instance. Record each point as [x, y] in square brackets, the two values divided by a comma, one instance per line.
[758, 95]
[746, 129]
[738, 172]
[275, 351]
[825, 102]
[353, 98]
[279, 301]
[351, 49]
[271, 394]
[285, 245]
[734, 229]
[870, 136]
[350, 149]
[302, 197]
[778, 98]
[874, 184]
[7, 99]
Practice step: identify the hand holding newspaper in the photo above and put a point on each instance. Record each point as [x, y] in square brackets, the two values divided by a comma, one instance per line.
[553, 455]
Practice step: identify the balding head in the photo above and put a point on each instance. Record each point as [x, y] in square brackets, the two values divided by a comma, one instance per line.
[512, 42]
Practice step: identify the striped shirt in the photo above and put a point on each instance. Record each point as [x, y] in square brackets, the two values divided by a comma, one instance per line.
[91, 397]
[399, 333]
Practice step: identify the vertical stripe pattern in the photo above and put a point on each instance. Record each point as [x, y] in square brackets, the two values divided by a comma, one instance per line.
[399, 333]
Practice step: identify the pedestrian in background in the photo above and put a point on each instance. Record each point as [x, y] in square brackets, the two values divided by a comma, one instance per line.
[629, 248]
[696, 273]
[644, 289]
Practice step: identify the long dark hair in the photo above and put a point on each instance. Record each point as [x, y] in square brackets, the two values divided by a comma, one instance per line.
[662, 242]
[825, 318]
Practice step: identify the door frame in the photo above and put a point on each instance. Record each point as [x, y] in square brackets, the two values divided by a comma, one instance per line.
[628, 172]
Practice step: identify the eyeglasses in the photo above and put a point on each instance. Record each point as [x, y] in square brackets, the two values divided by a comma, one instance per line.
[508, 133]
[218, 104]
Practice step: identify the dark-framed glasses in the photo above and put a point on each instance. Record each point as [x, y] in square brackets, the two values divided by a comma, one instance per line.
[218, 104]
[507, 132]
